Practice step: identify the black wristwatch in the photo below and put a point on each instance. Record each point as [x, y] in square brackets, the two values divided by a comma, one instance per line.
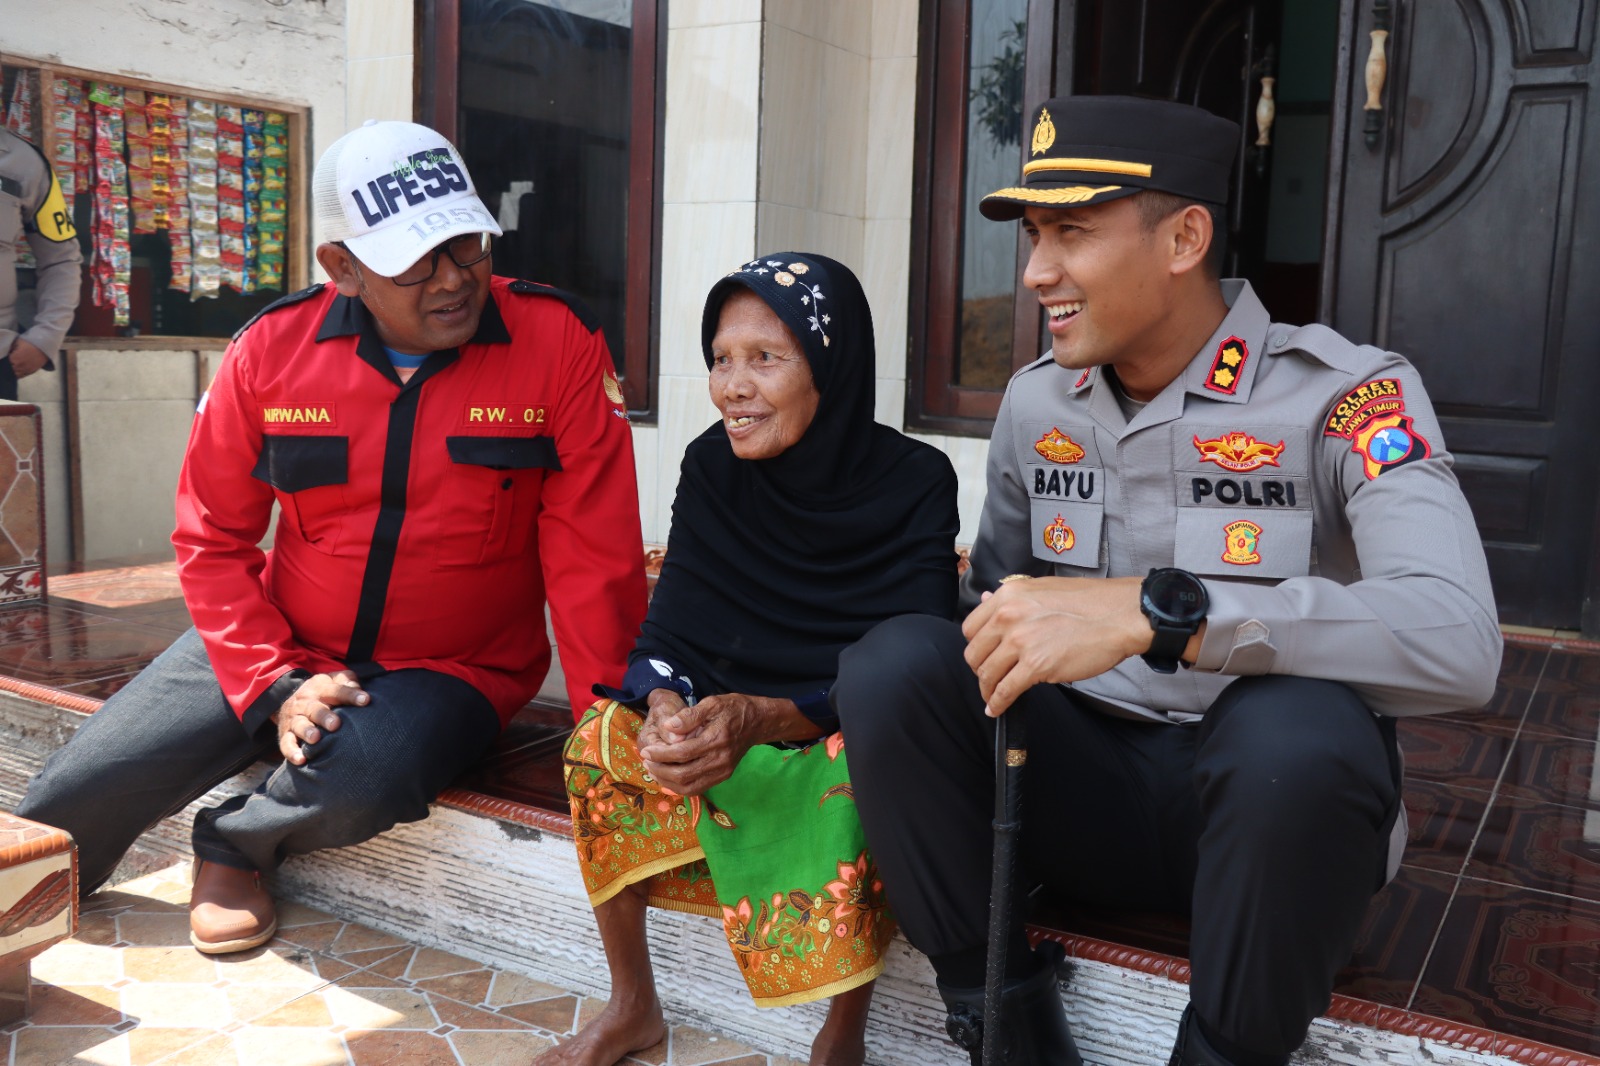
[1175, 602]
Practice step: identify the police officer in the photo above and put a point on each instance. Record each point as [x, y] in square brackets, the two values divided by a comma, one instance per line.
[31, 206]
[1248, 556]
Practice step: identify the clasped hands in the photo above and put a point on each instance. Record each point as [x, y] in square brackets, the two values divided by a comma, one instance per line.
[1052, 629]
[690, 749]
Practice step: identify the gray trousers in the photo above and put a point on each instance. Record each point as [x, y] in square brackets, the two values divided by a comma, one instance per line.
[169, 737]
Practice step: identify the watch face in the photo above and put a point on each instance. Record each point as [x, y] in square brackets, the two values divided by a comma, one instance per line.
[1175, 595]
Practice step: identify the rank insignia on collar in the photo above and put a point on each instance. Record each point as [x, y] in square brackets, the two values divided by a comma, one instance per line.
[1388, 441]
[1044, 133]
[1239, 452]
[1228, 366]
[1057, 447]
[1241, 538]
[1083, 377]
[612, 386]
[1058, 536]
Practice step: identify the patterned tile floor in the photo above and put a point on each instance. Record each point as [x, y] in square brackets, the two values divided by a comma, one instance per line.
[1494, 919]
[130, 991]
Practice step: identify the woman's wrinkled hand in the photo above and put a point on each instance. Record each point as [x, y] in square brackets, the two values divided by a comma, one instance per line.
[690, 749]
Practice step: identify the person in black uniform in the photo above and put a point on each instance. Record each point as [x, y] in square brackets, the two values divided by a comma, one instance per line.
[1246, 555]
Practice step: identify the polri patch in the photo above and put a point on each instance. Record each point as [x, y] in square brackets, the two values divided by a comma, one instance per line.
[1361, 405]
[1388, 441]
[525, 415]
[1239, 543]
[1057, 447]
[1227, 367]
[1058, 536]
[1238, 451]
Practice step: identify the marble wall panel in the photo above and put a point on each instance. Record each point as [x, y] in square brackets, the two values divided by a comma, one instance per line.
[713, 111]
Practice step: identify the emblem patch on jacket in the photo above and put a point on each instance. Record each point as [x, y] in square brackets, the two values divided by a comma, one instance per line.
[1057, 447]
[1238, 451]
[1361, 405]
[613, 387]
[1228, 366]
[1388, 441]
[1240, 540]
[1058, 536]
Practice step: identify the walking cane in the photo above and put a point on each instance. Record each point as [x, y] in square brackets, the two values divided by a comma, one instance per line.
[1010, 755]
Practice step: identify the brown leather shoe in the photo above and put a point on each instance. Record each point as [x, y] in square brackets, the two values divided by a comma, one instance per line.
[228, 909]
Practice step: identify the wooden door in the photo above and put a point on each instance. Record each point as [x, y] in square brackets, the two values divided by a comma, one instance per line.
[1465, 236]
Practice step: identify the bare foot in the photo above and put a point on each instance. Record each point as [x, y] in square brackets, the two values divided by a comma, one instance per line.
[621, 1029]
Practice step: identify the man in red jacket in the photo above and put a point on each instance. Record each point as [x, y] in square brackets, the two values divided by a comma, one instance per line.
[445, 448]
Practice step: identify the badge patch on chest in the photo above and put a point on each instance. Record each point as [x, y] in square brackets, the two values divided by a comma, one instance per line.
[297, 414]
[1228, 366]
[506, 414]
[1389, 441]
[1240, 541]
[1057, 447]
[1239, 452]
[1058, 536]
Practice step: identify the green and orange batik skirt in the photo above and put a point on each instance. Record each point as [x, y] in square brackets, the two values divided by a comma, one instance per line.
[776, 851]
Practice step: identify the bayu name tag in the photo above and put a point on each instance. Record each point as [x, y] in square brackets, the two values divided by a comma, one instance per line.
[1075, 484]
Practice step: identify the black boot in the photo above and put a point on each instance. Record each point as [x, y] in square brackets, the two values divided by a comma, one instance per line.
[1192, 1048]
[1030, 1010]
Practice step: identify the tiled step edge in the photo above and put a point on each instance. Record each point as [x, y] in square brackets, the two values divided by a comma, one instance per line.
[500, 884]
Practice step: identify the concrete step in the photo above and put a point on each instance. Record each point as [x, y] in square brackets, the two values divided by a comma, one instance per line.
[499, 883]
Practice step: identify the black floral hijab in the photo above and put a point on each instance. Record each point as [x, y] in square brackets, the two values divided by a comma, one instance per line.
[776, 565]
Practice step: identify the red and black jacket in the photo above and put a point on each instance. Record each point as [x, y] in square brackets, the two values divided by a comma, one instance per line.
[422, 524]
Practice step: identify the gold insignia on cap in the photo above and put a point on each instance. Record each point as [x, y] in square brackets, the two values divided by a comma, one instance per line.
[1071, 194]
[1044, 133]
[612, 386]
[1091, 166]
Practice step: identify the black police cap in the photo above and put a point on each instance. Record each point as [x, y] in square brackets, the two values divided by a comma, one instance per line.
[1090, 149]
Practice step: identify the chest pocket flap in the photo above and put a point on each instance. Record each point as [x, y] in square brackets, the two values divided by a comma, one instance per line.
[505, 453]
[297, 463]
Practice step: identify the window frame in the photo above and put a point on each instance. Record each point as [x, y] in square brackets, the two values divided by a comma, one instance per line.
[438, 52]
[934, 402]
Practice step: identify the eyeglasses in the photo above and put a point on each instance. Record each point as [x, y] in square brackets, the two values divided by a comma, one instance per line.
[466, 250]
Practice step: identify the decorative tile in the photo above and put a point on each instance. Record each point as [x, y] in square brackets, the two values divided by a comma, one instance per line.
[70, 1046]
[1395, 937]
[288, 1047]
[1455, 753]
[557, 1014]
[692, 1047]
[1568, 700]
[494, 1049]
[1443, 821]
[1517, 962]
[1555, 769]
[509, 988]
[1535, 844]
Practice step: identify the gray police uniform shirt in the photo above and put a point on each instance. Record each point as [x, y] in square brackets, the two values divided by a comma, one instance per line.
[1302, 477]
[32, 208]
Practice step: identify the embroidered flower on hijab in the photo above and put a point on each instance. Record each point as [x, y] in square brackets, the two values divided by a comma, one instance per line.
[817, 319]
[798, 268]
[783, 278]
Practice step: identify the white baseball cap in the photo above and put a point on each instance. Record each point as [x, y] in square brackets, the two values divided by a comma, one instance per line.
[394, 191]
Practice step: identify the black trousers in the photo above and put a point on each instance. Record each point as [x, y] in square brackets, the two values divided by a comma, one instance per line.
[1268, 822]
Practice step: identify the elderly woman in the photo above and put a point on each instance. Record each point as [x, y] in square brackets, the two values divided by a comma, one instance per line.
[714, 780]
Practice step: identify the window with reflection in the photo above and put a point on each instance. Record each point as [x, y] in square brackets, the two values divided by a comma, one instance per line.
[553, 104]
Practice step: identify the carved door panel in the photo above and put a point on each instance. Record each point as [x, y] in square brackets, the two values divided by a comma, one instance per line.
[1464, 232]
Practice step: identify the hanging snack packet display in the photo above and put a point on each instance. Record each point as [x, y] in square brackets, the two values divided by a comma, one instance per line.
[254, 122]
[140, 179]
[68, 108]
[113, 260]
[24, 101]
[273, 203]
[207, 253]
[178, 236]
[230, 194]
